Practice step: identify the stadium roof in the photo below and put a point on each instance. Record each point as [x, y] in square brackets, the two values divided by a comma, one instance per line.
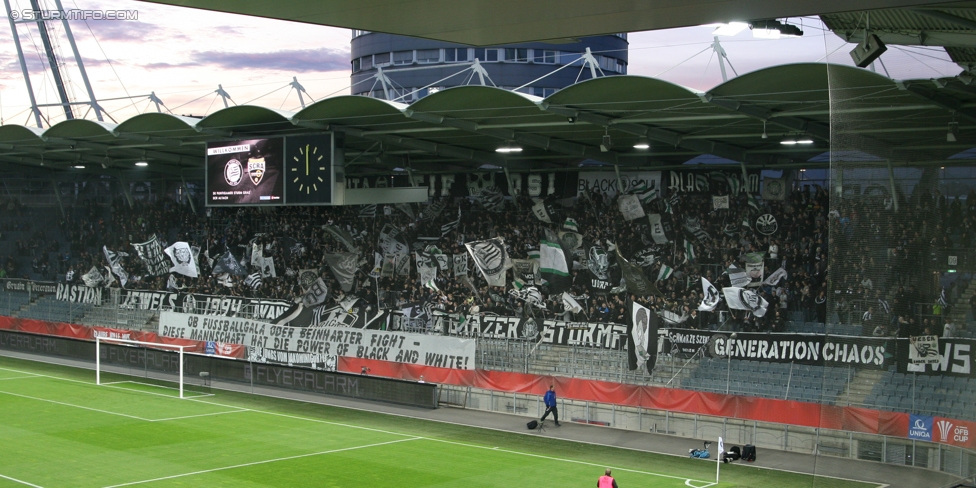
[460, 129]
[491, 22]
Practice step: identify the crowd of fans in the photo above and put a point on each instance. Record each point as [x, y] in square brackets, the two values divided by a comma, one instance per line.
[872, 244]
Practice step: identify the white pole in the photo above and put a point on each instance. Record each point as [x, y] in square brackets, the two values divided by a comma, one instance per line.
[98, 362]
[181, 371]
[718, 458]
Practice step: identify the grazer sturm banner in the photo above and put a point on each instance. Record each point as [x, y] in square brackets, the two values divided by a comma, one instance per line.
[606, 181]
[811, 349]
[401, 347]
[79, 294]
[205, 304]
[558, 332]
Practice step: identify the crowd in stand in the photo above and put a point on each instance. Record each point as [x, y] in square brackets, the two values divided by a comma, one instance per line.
[872, 247]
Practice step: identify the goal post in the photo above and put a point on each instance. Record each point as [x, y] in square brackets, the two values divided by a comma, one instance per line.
[179, 350]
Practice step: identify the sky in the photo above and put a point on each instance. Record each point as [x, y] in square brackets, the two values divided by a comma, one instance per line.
[183, 55]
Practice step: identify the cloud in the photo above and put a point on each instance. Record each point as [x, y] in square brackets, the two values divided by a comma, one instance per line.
[129, 31]
[292, 61]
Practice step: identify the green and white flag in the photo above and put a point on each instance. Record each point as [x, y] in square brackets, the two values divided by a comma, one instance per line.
[552, 263]
[689, 251]
[571, 225]
[665, 273]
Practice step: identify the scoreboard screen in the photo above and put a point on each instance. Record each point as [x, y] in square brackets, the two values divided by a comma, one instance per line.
[245, 172]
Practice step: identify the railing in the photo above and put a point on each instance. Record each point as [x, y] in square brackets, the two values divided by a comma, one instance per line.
[808, 440]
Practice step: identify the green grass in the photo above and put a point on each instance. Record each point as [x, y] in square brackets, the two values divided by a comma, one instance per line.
[57, 428]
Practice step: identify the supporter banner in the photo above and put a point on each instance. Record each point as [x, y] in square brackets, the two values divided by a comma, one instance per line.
[606, 181]
[924, 350]
[720, 202]
[80, 294]
[775, 189]
[30, 286]
[725, 181]
[811, 349]
[204, 304]
[558, 332]
[401, 347]
[152, 256]
[956, 357]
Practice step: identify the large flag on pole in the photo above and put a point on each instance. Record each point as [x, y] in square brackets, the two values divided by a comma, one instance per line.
[182, 257]
[552, 263]
[491, 258]
[710, 298]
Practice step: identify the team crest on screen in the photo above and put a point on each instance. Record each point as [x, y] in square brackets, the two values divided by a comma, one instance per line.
[233, 172]
[255, 169]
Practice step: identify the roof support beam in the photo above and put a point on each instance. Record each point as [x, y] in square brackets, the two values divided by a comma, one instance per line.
[527, 138]
[654, 133]
[927, 91]
[814, 129]
[444, 150]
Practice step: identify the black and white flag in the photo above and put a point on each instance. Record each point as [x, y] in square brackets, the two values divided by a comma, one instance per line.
[392, 241]
[491, 199]
[343, 266]
[745, 299]
[266, 266]
[426, 269]
[777, 276]
[182, 257]
[528, 294]
[738, 277]
[544, 211]
[151, 254]
[570, 304]
[460, 264]
[228, 264]
[115, 263]
[491, 258]
[253, 281]
[452, 225]
[367, 212]
[657, 229]
[711, 297]
[316, 294]
[630, 207]
[93, 278]
[642, 338]
[527, 270]
[434, 210]
[343, 237]
[306, 277]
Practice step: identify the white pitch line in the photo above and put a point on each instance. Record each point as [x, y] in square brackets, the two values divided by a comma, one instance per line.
[19, 481]
[299, 456]
[18, 377]
[200, 415]
[73, 405]
[574, 461]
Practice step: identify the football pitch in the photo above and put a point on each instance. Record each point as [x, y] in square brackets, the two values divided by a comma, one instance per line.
[58, 429]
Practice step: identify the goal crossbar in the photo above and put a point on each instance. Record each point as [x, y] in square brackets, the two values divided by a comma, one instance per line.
[148, 345]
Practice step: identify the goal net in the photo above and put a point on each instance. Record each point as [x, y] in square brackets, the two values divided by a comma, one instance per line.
[154, 367]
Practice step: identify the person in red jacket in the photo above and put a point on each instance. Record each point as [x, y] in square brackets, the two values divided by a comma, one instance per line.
[606, 481]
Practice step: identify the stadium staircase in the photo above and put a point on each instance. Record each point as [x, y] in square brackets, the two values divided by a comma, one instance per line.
[860, 387]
